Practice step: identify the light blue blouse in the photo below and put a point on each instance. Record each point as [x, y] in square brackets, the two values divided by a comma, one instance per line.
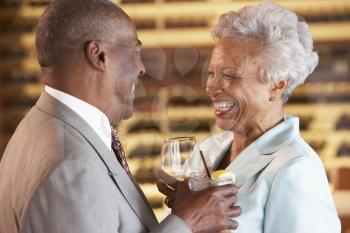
[282, 183]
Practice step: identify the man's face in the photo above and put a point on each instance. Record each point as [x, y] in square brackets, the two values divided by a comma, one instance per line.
[124, 67]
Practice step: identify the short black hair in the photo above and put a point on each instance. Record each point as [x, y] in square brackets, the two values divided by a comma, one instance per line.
[67, 25]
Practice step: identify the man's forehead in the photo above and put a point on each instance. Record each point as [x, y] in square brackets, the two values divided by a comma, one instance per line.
[126, 33]
[132, 43]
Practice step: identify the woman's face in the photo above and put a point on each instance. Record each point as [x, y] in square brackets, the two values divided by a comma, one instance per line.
[239, 96]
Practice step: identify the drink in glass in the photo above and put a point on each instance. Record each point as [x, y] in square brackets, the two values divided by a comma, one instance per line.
[175, 151]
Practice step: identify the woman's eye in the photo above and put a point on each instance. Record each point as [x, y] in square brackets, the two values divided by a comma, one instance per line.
[228, 77]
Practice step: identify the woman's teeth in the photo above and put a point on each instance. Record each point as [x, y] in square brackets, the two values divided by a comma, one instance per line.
[223, 106]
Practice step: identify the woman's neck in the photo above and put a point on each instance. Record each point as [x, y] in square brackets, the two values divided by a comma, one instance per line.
[243, 138]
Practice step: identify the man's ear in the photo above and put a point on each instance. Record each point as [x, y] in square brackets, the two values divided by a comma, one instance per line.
[95, 55]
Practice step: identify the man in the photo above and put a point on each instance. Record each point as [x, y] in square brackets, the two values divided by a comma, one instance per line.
[64, 170]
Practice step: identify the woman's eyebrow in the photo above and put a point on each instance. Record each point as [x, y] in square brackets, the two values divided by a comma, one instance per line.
[234, 72]
[231, 69]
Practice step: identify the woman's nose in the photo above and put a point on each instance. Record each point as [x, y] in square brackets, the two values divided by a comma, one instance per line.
[213, 87]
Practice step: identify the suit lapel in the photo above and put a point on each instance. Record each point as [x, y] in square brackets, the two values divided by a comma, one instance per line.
[248, 164]
[134, 196]
[261, 152]
[130, 190]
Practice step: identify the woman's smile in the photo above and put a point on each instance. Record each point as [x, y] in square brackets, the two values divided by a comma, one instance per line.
[222, 107]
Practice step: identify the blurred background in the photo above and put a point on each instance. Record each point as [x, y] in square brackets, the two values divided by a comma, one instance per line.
[170, 98]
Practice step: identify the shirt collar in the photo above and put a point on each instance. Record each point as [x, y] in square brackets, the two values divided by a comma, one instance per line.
[276, 137]
[95, 118]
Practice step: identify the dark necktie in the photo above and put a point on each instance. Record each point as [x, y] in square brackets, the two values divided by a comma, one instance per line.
[119, 152]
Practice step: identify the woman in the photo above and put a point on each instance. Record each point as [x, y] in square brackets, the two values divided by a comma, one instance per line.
[262, 54]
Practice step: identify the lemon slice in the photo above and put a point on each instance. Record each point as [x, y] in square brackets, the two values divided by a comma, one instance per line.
[223, 175]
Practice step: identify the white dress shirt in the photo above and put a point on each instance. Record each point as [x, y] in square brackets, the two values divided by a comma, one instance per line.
[96, 119]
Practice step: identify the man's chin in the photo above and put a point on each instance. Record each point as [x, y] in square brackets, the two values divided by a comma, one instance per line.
[128, 113]
[127, 116]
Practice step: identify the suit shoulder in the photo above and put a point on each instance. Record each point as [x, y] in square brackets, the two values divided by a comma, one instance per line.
[296, 151]
[54, 136]
[39, 137]
[295, 160]
[298, 161]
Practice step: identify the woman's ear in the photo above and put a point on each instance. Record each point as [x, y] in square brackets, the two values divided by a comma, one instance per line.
[277, 90]
[280, 85]
[95, 54]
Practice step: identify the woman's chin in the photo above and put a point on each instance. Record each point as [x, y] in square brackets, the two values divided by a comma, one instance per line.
[224, 124]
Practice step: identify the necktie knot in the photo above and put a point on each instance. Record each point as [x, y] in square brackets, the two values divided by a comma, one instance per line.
[115, 136]
[118, 150]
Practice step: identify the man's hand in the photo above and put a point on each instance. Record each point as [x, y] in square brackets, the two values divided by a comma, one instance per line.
[208, 210]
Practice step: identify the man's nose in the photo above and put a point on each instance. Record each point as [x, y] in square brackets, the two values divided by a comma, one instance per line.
[142, 70]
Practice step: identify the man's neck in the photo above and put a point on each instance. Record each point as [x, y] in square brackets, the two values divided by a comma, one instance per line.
[68, 83]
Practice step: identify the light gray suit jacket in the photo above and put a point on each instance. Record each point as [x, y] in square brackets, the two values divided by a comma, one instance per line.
[282, 185]
[57, 176]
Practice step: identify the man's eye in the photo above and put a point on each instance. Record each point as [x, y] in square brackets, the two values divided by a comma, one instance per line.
[210, 73]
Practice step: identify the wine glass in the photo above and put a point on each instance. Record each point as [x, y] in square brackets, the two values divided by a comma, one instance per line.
[175, 151]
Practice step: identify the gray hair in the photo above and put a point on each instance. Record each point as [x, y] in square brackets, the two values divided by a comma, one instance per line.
[66, 25]
[286, 40]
